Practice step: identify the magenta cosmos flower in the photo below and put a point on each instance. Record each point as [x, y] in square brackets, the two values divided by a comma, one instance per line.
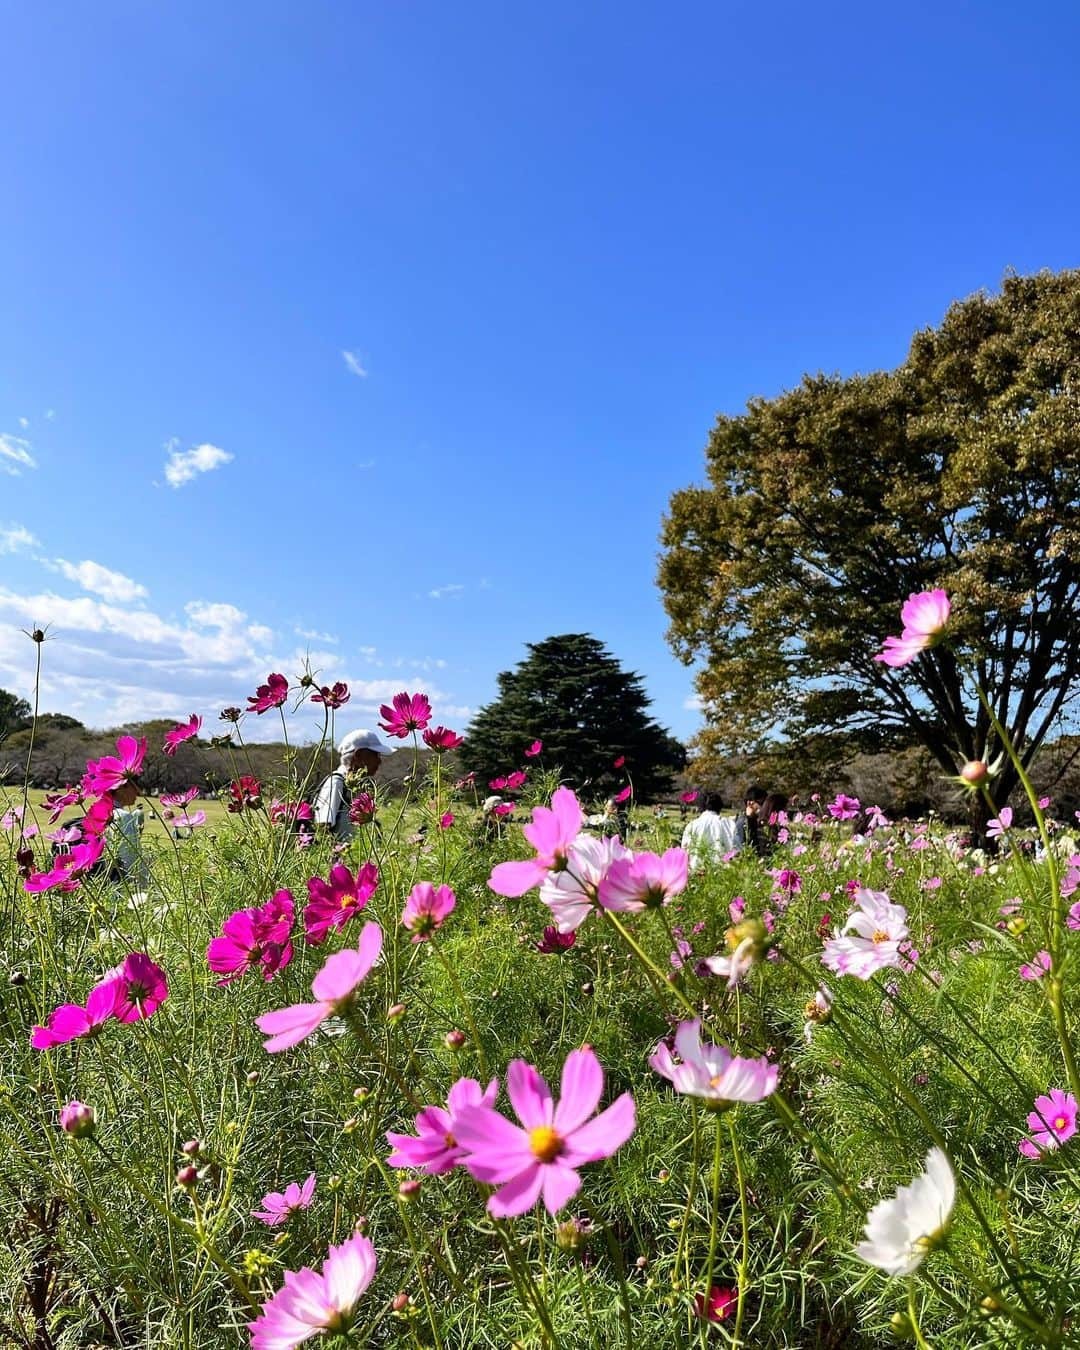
[70, 1022]
[434, 1148]
[1039, 967]
[186, 731]
[624, 795]
[143, 988]
[426, 908]
[879, 928]
[844, 808]
[543, 1157]
[252, 938]
[331, 904]
[279, 1206]
[77, 1119]
[334, 695]
[644, 881]
[310, 1302]
[333, 987]
[712, 1072]
[272, 694]
[551, 833]
[112, 771]
[1051, 1123]
[410, 712]
[442, 738]
[924, 616]
[68, 869]
[534, 749]
[719, 1306]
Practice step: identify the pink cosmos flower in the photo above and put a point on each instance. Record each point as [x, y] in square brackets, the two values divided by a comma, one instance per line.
[688, 797]
[1052, 1122]
[287, 813]
[1038, 968]
[280, 1206]
[844, 808]
[310, 1302]
[426, 908]
[98, 815]
[272, 694]
[712, 1072]
[497, 784]
[411, 712]
[70, 1022]
[77, 1119]
[1044, 803]
[362, 809]
[924, 616]
[644, 881]
[624, 794]
[618, 763]
[719, 1305]
[879, 927]
[246, 792]
[997, 827]
[333, 987]
[434, 1148]
[787, 879]
[876, 819]
[179, 798]
[553, 941]
[179, 734]
[12, 818]
[502, 810]
[551, 833]
[331, 904]
[1073, 921]
[68, 834]
[113, 771]
[1070, 882]
[534, 749]
[441, 738]
[516, 780]
[446, 820]
[571, 894]
[68, 869]
[252, 938]
[543, 1157]
[143, 988]
[189, 820]
[58, 802]
[335, 695]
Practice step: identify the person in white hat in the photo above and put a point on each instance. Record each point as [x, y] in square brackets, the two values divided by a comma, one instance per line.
[361, 752]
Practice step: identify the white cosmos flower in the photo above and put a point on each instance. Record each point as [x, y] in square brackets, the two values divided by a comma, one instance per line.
[900, 1231]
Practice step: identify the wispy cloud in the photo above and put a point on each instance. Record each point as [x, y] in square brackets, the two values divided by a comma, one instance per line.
[313, 635]
[50, 414]
[91, 576]
[366, 464]
[353, 362]
[453, 590]
[184, 465]
[694, 703]
[15, 537]
[15, 455]
[24, 422]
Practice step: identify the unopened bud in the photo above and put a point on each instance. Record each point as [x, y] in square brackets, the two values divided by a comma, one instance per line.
[333, 1183]
[989, 1306]
[901, 1327]
[641, 1262]
[187, 1177]
[350, 1125]
[361, 1094]
[396, 1013]
[975, 771]
[37, 635]
[573, 1234]
[588, 988]
[663, 1175]
[408, 1190]
[306, 681]
[191, 1147]
[253, 1077]
[399, 1302]
[1016, 925]
[362, 1224]
[77, 1119]
[454, 1040]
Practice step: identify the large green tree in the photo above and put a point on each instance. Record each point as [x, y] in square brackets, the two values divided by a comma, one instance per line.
[827, 505]
[573, 695]
[15, 712]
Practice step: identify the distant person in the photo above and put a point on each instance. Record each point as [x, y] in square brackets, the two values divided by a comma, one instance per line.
[360, 752]
[748, 826]
[709, 835]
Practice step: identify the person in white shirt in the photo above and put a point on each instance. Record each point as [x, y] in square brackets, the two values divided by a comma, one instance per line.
[710, 835]
[361, 752]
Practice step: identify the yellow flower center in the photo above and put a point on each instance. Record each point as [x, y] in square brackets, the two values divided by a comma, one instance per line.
[880, 936]
[545, 1143]
[1060, 1122]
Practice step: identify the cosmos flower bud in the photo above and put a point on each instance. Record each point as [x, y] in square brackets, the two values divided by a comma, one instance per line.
[975, 771]
[187, 1177]
[409, 1190]
[253, 1077]
[191, 1148]
[396, 1012]
[454, 1040]
[399, 1302]
[78, 1120]
[900, 1326]
[37, 635]
[17, 979]
[573, 1234]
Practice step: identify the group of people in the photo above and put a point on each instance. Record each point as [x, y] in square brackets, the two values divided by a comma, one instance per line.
[709, 836]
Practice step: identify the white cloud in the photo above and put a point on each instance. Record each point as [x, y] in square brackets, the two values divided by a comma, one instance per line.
[313, 635]
[184, 465]
[214, 615]
[15, 455]
[452, 590]
[91, 576]
[14, 537]
[695, 703]
[50, 414]
[354, 364]
[24, 422]
[366, 464]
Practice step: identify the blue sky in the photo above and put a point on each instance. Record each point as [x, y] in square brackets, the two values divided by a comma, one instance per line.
[430, 308]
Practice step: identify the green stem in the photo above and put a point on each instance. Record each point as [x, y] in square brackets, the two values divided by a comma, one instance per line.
[744, 1255]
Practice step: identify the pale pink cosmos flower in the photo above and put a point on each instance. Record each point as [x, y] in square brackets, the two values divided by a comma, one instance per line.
[996, 828]
[310, 1302]
[254, 937]
[879, 928]
[1073, 921]
[186, 731]
[333, 987]
[571, 894]
[280, 1206]
[189, 820]
[410, 712]
[1038, 968]
[434, 1148]
[534, 749]
[179, 798]
[924, 616]
[426, 908]
[113, 771]
[543, 1157]
[70, 1022]
[12, 818]
[644, 881]
[712, 1072]
[331, 904]
[1051, 1123]
[551, 833]
[67, 834]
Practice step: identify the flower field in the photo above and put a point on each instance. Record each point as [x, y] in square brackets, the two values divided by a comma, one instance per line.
[507, 1080]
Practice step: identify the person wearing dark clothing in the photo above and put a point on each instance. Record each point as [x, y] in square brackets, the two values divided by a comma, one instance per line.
[748, 827]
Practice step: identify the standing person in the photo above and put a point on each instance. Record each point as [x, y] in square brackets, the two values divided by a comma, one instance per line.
[748, 827]
[361, 752]
[709, 835]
